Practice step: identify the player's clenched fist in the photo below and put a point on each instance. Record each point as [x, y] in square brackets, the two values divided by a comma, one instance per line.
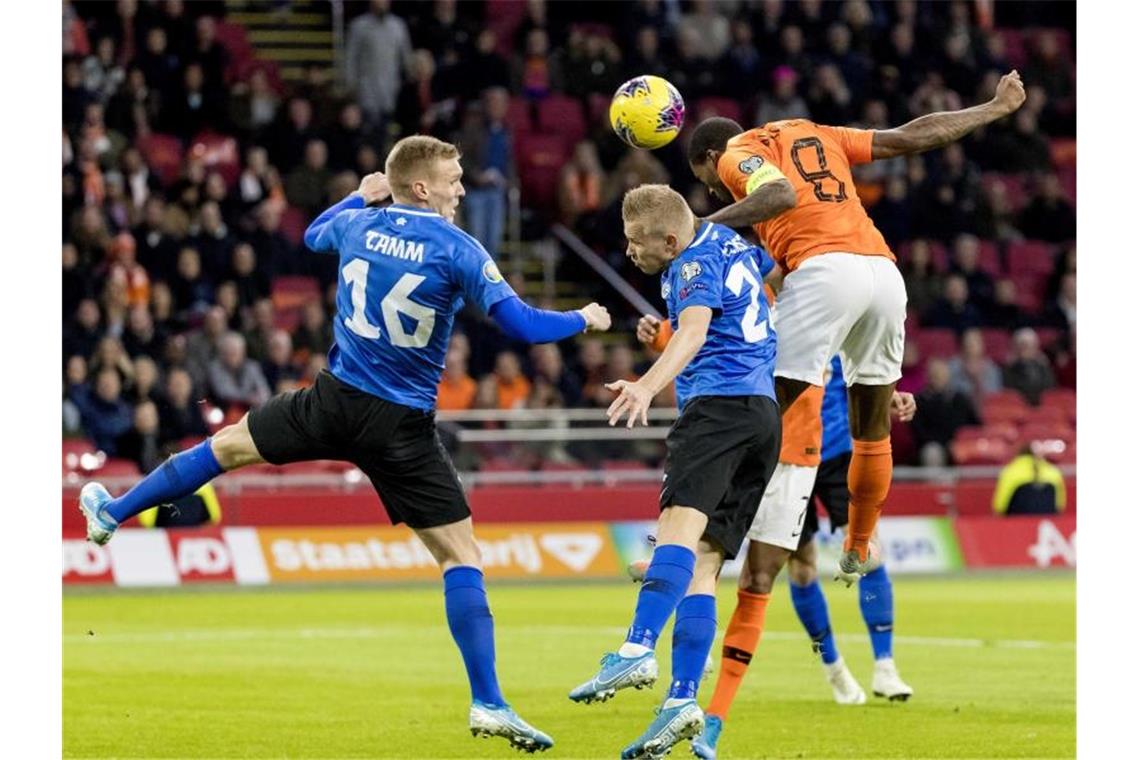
[596, 316]
[1010, 93]
[647, 328]
[903, 406]
[374, 188]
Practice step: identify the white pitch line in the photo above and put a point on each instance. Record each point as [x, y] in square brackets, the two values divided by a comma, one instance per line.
[259, 634]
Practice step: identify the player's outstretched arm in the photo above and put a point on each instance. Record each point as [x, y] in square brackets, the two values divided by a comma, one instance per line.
[938, 129]
[763, 203]
[635, 398]
[522, 322]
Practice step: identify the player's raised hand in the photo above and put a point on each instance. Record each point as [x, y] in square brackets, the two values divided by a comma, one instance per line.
[1010, 93]
[903, 406]
[597, 317]
[374, 188]
[647, 328]
[633, 398]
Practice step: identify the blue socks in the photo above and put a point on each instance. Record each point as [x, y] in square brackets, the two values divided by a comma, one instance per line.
[693, 635]
[473, 629]
[877, 603]
[666, 580]
[182, 474]
[811, 607]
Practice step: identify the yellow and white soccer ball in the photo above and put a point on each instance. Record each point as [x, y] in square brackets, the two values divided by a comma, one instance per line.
[647, 112]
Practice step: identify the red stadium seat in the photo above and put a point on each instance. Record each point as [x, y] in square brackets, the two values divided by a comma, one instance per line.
[989, 259]
[1048, 336]
[562, 115]
[1048, 415]
[980, 450]
[1030, 290]
[500, 464]
[1016, 51]
[115, 467]
[163, 154]
[597, 109]
[1061, 398]
[1043, 431]
[77, 446]
[936, 341]
[540, 159]
[1068, 177]
[220, 153]
[1004, 406]
[1015, 189]
[725, 107]
[1064, 152]
[294, 291]
[293, 224]
[997, 343]
[1029, 257]
[520, 117]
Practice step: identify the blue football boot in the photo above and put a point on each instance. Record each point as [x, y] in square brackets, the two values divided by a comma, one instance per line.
[704, 746]
[671, 726]
[617, 673]
[488, 720]
[100, 525]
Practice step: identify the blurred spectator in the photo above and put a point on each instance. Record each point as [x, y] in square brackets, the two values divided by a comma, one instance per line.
[180, 414]
[102, 74]
[792, 52]
[689, 70]
[202, 344]
[278, 366]
[484, 67]
[1028, 371]
[709, 26]
[954, 309]
[1021, 148]
[829, 98]
[1062, 312]
[1029, 485]
[276, 254]
[942, 410]
[194, 108]
[286, 139]
[142, 338]
[549, 368]
[783, 102]
[346, 137]
[512, 387]
[923, 282]
[1005, 311]
[379, 51]
[967, 263]
[253, 105]
[104, 413]
[971, 371]
[314, 335]
[251, 281]
[261, 329]
[913, 369]
[1047, 68]
[192, 292]
[592, 370]
[306, 187]
[742, 61]
[125, 270]
[443, 28]
[457, 389]
[853, 66]
[156, 247]
[82, 335]
[488, 167]
[1048, 215]
[580, 186]
[235, 379]
[538, 72]
[141, 442]
[159, 66]
[226, 296]
[109, 354]
[1064, 263]
[208, 53]
[421, 107]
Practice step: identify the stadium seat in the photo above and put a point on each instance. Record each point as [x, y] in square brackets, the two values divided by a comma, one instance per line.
[220, 153]
[1016, 51]
[562, 115]
[997, 343]
[293, 224]
[1041, 431]
[1004, 406]
[294, 291]
[597, 109]
[980, 450]
[540, 159]
[520, 117]
[1061, 398]
[500, 464]
[724, 107]
[77, 446]
[1048, 336]
[1015, 189]
[1052, 415]
[1030, 289]
[989, 258]
[1068, 177]
[904, 449]
[115, 467]
[163, 154]
[1029, 257]
[1064, 152]
[936, 341]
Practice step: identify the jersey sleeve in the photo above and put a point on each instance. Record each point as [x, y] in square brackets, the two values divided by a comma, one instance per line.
[765, 262]
[745, 168]
[326, 232]
[698, 282]
[855, 143]
[478, 277]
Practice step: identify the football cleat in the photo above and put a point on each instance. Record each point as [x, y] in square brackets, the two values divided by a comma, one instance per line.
[672, 725]
[100, 525]
[846, 689]
[617, 673]
[704, 746]
[851, 568]
[886, 682]
[488, 720]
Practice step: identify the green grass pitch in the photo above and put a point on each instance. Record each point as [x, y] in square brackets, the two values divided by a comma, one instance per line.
[371, 673]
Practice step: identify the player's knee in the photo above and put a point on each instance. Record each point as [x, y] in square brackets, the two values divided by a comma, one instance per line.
[759, 581]
[802, 573]
[233, 446]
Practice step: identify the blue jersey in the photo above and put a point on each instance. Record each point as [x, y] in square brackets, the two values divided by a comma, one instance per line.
[722, 271]
[404, 273]
[836, 426]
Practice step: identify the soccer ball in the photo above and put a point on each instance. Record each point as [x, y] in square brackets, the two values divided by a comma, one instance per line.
[647, 112]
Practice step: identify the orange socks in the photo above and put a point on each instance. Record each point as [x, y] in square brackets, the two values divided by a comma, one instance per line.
[740, 642]
[868, 480]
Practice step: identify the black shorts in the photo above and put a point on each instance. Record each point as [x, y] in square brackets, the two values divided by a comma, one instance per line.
[720, 454]
[396, 446]
[831, 490]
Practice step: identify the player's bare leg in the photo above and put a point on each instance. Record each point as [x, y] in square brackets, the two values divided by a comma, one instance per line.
[868, 477]
[182, 474]
[469, 618]
[811, 607]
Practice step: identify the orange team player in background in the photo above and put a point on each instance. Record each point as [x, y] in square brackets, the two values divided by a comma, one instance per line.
[842, 293]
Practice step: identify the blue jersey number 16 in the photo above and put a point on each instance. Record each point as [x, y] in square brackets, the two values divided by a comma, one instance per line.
[396, 302]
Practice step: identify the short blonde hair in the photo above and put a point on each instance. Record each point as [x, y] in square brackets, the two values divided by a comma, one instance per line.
[659, 209]
[410, 157]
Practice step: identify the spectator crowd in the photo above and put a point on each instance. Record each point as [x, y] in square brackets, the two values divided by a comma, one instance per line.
[190, 168]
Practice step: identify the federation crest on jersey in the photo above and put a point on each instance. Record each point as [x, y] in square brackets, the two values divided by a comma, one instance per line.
[666, 289]
[690, 269]
[750, 164]
[492, 273]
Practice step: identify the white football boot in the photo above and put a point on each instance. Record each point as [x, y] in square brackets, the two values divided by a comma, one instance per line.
[886, 682]
[844, 687]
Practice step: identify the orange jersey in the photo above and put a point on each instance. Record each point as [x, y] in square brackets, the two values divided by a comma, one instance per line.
[817, 160]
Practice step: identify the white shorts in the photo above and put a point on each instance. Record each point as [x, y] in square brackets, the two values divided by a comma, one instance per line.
[846, 303]
[780, 519]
